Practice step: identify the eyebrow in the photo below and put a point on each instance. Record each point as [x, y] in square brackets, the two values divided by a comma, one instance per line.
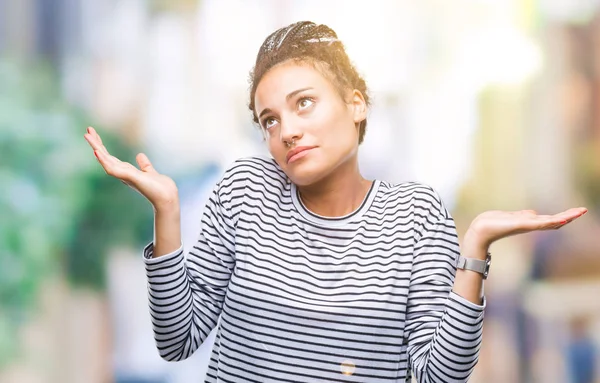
[290, 95]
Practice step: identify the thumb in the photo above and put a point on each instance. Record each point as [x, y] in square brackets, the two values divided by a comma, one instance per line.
[144, 163]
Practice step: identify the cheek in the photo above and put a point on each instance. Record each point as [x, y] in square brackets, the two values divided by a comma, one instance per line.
[342, 141]
[271, 143]
[276, 148]
[339, 131]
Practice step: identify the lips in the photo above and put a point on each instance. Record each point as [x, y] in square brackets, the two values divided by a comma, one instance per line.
[296, 151]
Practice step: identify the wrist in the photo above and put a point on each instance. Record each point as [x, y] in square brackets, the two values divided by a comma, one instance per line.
[474, 246]
[169, 207]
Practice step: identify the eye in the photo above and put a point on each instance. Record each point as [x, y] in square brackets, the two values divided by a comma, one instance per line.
[268, 123]
[305, 102]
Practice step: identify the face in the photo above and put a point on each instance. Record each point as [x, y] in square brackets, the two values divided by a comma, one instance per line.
[310, 129]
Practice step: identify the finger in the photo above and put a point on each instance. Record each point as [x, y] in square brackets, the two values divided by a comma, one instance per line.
[582, 211]
[91, 140]
[563, 216]
[94, 143]
[109, 159]
[144, 163]
[94, 133]
[570, 214]
[557, 226]
[548, 223]
[560, 221]
[575, 211]
[105, 160]
[95, 137]
[574, 218]
[98, 149]
[554, 223]
[115, 167]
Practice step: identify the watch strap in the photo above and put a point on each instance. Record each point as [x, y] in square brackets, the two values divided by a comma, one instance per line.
[481, 266]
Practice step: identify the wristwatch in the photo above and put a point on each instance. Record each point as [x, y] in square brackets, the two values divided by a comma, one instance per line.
[481, 266]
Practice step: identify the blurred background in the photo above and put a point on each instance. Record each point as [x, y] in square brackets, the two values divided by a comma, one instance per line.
[496, 104]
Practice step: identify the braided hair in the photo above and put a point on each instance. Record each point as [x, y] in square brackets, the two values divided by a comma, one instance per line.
[318, 45]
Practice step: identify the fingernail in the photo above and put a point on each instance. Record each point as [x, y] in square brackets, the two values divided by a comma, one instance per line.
[563, 222]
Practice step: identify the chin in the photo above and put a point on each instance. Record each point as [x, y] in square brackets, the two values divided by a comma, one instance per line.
[305, 173]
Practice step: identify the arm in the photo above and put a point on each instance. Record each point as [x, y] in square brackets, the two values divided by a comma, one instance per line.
[443, 329]
[444, 317]
[469, 284]
[493, 225]
[186, 295]
[167, 229]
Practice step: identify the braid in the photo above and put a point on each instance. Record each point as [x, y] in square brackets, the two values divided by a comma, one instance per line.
[308, 42]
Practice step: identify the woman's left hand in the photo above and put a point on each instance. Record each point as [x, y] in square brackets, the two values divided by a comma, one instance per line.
[491, 226]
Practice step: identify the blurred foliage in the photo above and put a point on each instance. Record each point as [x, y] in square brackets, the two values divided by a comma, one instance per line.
[59, 211]
[587, 173]
[113, 215]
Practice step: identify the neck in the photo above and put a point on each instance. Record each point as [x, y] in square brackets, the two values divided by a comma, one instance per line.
[337, 195]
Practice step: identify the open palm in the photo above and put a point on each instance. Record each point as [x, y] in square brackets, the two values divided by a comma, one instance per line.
[493, 225]
[159, 189]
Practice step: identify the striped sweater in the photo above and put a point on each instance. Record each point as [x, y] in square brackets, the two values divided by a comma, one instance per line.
[299, 297]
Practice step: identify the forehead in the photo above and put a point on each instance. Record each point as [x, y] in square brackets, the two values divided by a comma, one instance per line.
[285, 78]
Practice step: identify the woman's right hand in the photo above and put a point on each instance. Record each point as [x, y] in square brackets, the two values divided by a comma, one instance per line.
[158, 189]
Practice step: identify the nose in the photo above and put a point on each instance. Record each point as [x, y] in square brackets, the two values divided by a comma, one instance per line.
[291, 131]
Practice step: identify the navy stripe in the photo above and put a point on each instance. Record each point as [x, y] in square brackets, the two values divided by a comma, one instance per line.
[299, 294]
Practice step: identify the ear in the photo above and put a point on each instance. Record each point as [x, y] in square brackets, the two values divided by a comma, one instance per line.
[359, 106]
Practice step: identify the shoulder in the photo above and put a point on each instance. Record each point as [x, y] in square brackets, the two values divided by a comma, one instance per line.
[420, 197]
[251, 173]
[251, 170]
[419, 202]
[243, 177]
[423, 206]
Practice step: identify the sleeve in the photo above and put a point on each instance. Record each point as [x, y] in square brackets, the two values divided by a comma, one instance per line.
[186, 294]
[443, 329]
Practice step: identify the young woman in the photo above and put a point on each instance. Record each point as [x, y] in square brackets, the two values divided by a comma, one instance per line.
[316, 273]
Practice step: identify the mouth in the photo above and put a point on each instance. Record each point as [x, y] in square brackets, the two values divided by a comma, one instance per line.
[297, 153]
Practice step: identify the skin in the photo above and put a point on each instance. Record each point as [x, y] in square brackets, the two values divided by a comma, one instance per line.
[298, 106]
[297, 103]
